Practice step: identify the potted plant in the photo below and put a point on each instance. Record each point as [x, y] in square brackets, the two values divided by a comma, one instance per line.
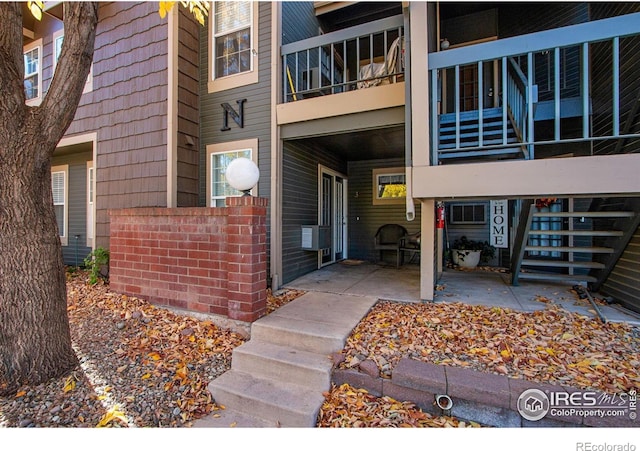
[468, 253]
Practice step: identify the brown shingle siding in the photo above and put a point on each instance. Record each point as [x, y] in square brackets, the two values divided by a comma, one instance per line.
[128, 109]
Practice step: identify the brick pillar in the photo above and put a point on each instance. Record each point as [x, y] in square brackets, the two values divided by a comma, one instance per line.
[247, 257]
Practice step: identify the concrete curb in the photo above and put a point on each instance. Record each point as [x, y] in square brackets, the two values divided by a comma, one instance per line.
[488, 399]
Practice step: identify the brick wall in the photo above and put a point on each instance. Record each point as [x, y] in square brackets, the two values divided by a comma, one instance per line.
[210, 260]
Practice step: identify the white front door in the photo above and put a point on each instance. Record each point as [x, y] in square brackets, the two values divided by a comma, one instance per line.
[332, 213]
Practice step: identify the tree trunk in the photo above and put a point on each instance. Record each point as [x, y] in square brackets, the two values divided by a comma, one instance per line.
[35, 340]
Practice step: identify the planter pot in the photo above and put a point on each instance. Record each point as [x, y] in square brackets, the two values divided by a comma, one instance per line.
[465, 258]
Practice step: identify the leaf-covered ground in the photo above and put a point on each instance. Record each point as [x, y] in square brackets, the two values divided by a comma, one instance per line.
[346, 406]
[552, 345]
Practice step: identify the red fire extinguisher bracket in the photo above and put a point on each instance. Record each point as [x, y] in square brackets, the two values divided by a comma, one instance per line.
[440, 217]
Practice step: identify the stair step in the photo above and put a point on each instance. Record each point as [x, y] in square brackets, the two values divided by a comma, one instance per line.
[471, 115]
[555, 277]
[229, 418]
[562, 264]
[476, 144]
[283, 363]
[577, 232]
[584, 250]
[585, 214]
[486, 135]
[288, 404]
[305, 335]
[459, 153]
[495, 125]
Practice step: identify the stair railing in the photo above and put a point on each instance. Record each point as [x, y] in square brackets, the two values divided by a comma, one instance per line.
[517, 96]
[522, 233]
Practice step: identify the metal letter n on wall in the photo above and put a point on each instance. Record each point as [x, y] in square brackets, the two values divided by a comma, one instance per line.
[237, 116]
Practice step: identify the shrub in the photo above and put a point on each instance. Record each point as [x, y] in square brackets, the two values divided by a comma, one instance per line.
[96, 262]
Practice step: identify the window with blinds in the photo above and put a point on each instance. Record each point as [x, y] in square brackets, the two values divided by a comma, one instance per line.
[232, 35]
[59, 194]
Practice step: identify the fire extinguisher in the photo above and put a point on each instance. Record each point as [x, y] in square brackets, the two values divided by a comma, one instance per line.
[440, 216]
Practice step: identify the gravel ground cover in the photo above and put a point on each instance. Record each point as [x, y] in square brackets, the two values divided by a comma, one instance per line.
[140, 366]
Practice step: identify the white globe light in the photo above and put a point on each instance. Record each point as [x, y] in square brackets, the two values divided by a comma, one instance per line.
[242, 174]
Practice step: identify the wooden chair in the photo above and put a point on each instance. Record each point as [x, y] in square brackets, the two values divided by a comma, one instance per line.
[388, 238]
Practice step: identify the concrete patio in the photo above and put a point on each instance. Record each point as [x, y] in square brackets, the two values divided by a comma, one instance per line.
[479, 287]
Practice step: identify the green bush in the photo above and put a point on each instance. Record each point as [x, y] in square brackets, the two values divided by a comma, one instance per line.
[95, 262]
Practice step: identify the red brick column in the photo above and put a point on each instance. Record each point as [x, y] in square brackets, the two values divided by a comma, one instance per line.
[246, 257]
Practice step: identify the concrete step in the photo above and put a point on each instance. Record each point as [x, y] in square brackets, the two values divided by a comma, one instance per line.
[302, 334]
[277, 362]
[563, 264]
[556, 277]
[284, 403]
[227, 418]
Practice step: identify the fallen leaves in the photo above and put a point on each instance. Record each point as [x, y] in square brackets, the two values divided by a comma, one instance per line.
[551, 345]
[114, 413]
[283, 297]
[346, 406]
[162, 350]
[69, 384]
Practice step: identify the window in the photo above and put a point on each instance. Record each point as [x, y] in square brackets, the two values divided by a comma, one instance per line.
[58, 38]
[389, 186]
[468, 214]
[59, 187]
[219, 157]
[233, 28]
[33, 72]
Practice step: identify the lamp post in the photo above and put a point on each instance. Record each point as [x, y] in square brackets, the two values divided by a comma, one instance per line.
[242, 174]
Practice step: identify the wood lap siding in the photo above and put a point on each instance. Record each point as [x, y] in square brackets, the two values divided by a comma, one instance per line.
[300, 203]
[363, 230]
[77, 206]
[127, 109]
[602, 81]
[188, 110]
[257, 110]
[624, 282]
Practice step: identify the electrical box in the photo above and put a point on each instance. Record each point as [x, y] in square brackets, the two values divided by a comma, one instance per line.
[315, 237]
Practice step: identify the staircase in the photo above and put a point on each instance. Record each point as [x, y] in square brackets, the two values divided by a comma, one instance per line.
[591, 240]
[278, 377]
[469, 144]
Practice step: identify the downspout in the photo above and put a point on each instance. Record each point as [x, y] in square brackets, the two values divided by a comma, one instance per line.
[408, 150]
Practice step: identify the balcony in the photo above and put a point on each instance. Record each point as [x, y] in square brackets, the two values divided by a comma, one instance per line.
[355, 58]
[517, 98]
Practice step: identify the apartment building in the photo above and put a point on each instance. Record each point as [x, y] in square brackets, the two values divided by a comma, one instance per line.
[360, 114]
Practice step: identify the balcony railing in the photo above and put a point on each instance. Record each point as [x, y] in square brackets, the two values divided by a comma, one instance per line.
[354, 58]
[543, 76]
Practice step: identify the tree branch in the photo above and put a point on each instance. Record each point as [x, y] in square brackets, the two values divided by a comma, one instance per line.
[56, 112]
[12, 100]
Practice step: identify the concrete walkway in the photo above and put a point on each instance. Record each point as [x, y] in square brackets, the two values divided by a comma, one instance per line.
[277, 378]
[488, 288]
